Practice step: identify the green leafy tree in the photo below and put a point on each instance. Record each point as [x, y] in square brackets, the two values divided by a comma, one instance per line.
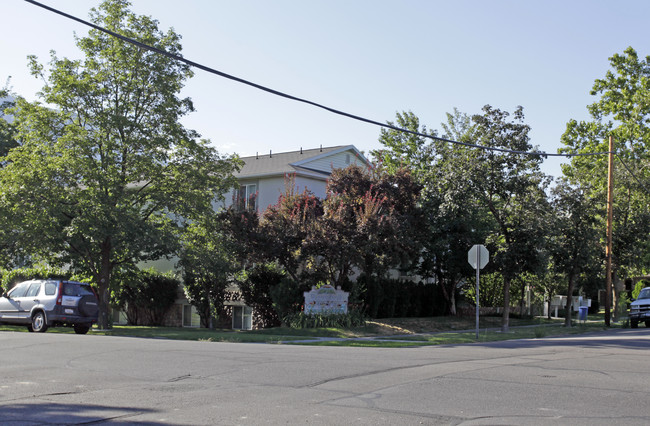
[147, 297]
[574, 243]
[511, 187]
[640, 285]
[453, 220]
[257, 286]
[621, 110]
[208, 263]
[109, 175]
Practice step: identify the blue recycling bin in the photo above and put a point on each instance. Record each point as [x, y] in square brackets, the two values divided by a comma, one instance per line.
[582, 313]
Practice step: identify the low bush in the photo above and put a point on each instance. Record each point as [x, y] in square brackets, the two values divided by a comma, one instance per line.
[147, 297]
[353, 318]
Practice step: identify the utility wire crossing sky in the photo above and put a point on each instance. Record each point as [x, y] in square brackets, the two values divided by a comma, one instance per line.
[294, 98]
[377, 57]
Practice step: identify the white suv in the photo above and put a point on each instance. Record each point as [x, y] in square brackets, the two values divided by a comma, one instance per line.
[40, 304]
[640, 309]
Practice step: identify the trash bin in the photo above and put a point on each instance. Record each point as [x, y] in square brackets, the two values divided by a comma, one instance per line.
[582, 314]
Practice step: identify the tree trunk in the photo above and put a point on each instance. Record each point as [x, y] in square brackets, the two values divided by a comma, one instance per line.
[569, 302]
[505, 321]
[452, 305]
[103, 322]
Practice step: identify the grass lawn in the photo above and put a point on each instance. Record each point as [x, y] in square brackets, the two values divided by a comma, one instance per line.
[411, 332]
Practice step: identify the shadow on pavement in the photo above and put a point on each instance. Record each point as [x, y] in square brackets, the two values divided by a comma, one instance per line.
[39, 412]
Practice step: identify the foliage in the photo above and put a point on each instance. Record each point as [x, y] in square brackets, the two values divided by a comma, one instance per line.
[12, 277]
[285, 229]
[622, 111]
[490, 290]
[453, 220]
[370, 223]
[473, 195]
[207, 263]
[512, 187]
[288, 296]
[367, 222]
[147, 297]
[622, 304]
[574, 240]
[7, 129]
[354, 318]
[640, 285]
[107, 176]
[391, 298]
[255, 285]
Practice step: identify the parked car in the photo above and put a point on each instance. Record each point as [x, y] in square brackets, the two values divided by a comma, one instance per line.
[40, 304]
[640, 309]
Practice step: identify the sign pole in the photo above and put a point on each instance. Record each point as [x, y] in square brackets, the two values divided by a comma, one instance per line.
[478, 273]
[478, 256]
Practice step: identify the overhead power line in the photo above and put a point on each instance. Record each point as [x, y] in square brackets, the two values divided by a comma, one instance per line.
[297, 99]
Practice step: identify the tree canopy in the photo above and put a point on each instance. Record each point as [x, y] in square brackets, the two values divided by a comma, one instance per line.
[106, 175]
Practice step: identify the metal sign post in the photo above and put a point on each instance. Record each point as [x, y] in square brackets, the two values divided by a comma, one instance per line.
[478, 256]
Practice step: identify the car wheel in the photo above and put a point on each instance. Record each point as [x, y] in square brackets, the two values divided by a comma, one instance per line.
[634, 324]
[38, 322]
[81, 329]
[647, 323]
[29, 328]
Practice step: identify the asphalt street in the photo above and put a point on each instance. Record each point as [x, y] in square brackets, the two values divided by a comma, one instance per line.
[49, 378]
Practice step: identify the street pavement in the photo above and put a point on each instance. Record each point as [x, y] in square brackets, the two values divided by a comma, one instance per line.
[52, 379]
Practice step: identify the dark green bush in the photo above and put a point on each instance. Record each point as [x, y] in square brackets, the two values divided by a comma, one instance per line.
[288, 296]
[391, 298]
[256, 285]
[147, 296]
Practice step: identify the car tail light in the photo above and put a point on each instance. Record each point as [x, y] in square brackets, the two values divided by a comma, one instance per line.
[59, 299]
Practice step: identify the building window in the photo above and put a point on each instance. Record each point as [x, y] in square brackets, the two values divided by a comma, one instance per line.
[191, 317]
[242, 317]
[246, 197]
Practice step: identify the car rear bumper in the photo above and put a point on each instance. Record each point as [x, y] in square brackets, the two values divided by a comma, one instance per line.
[70, 319]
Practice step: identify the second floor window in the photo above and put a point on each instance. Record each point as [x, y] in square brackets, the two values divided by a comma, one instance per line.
[246, 197]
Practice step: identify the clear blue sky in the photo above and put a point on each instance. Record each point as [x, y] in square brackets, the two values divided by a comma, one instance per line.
[367, 57]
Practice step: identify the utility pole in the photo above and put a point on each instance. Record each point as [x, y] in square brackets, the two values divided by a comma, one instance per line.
[610, 219]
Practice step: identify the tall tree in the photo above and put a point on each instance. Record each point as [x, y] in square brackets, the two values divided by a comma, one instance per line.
[208, 262]
[511, 187]
[109, 175]
[452, 221]
[574, 239]
[622, 110]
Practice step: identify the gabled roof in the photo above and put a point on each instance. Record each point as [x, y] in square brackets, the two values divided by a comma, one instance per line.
[316, 162]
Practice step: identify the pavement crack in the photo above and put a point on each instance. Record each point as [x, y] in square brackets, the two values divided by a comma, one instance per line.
[179, 378]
